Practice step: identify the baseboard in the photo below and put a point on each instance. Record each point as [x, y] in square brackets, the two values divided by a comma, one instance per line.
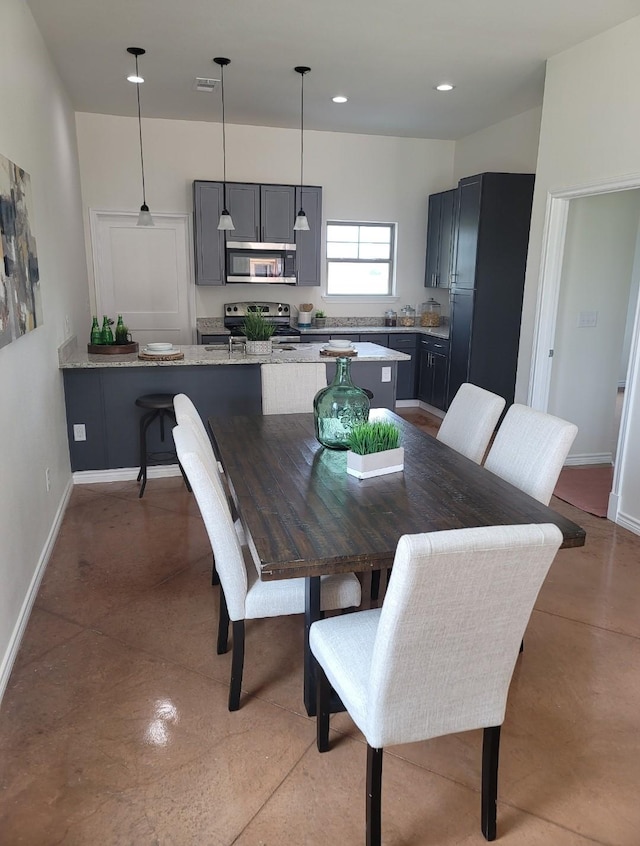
[589, 458]
[123, 474]
[415, 403]
[407, 403]
[23, 617]
[627, 522]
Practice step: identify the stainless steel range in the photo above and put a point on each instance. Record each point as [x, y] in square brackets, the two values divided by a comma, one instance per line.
[277, 313]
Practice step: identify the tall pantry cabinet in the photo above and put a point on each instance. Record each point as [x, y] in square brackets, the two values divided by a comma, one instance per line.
[491, 236]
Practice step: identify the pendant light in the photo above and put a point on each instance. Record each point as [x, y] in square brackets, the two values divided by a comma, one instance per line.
[225, 221]
[301, 223]
[144, 218]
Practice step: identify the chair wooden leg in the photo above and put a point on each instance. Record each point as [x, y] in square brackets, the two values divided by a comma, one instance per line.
[374, 796]
[237, 664]
[323, 689]
[215, 578]
[490, 756]
[223, 625]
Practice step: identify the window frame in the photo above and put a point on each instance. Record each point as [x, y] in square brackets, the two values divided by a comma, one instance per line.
[390, 262]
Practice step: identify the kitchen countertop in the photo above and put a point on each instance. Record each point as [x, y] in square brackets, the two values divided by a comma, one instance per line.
[213, 326]
[75, 358]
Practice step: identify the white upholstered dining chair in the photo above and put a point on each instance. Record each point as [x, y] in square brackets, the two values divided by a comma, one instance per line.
[470, 421]
[438, 657]
[188, 415]
[289, 388]
[529, 450]
[243, 596]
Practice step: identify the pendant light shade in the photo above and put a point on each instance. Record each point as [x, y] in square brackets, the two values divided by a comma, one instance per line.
[301, 223]
[225, 221]
[144, 218]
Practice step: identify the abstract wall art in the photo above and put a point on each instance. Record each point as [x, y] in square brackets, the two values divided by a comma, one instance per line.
[20, 301]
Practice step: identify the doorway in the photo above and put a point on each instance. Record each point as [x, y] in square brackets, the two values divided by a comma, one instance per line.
[587, 305]
[144, 274]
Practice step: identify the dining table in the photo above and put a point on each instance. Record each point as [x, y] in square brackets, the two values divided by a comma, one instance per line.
[305, 516]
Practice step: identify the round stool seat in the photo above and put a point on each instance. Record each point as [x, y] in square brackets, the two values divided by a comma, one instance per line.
[155, 401]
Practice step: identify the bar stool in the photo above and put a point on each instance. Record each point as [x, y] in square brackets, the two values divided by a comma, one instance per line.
[159, 406]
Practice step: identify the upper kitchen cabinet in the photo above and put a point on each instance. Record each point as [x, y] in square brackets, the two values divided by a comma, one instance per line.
[261, 212]
[309, 243]
[440, 229]
[208, 239]
[490, 254]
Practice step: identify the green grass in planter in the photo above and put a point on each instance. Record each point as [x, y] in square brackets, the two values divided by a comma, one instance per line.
[366, 438]
[256, 328]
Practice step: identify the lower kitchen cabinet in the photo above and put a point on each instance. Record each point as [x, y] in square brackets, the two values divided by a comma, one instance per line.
[433, 371]
[214, 339]
[407, 370]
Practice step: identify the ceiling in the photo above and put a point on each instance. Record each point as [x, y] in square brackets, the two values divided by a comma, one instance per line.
[384, 56]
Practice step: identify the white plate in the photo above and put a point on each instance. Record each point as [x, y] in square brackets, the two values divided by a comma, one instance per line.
[170, 351]
[337, 344]
[337, 349]
[159, 347]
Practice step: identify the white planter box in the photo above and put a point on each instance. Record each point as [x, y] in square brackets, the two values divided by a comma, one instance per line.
[259, 347]
[376, 463]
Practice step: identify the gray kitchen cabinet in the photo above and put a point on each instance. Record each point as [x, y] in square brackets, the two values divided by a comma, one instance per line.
[406, 343]
[277, 213]
[261, 212]
[309, 244]
[407, 370]
[440, 232]
[433, 371]
[208, 240]
[492, 235]
[243, 203]
[214, 339]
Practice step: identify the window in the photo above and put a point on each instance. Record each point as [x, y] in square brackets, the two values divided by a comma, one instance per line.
[360, 259]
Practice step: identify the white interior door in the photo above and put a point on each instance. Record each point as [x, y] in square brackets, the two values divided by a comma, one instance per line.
[144, 274]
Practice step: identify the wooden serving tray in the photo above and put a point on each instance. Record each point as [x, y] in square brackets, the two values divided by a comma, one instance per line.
[112, 349]
[339, 353]
[174, 356]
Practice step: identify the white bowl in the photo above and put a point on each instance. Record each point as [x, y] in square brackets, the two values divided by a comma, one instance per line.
[163, 347]
[339, 344]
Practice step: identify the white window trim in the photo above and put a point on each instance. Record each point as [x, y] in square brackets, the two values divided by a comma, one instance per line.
[391, 297]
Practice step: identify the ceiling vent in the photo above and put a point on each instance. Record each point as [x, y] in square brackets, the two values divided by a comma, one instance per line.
[204, 84]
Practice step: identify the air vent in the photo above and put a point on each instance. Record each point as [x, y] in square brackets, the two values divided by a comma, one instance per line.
[204, 84]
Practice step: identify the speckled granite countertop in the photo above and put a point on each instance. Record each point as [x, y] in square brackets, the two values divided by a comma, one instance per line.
[215, 326]
[74, 358]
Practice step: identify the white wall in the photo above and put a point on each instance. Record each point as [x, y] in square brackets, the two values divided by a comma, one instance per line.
[510, 146]
[363, 177]
[597, 269]
[589, 136]
[37, 132]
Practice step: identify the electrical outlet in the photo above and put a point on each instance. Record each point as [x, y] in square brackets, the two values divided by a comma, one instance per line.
[47, 478]
[386, 374]
[79, 432]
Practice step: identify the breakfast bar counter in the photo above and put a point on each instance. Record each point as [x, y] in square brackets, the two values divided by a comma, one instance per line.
[101, 390]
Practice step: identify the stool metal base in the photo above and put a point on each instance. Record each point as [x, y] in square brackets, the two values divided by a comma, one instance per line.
[161, 406]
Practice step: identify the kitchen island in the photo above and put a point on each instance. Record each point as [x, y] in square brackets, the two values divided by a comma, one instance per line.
[100, 393]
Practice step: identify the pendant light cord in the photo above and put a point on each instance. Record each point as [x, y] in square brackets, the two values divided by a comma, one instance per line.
[144, 196]
[301, 134]
[224, 134]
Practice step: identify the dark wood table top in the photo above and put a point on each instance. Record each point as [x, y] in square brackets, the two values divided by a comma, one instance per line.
[306, 516]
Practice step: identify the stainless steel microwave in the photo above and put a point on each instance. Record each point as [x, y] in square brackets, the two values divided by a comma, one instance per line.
[260, 262]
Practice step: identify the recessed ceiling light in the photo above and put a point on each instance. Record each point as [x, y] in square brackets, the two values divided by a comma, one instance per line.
[339, 99]
[133, 78]
[444, 86]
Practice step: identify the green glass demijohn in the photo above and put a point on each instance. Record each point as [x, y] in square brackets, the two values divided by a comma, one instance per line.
[339, 407]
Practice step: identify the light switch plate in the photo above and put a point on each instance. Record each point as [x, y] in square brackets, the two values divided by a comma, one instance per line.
[79, 432]
[386, 374]
[587, 319]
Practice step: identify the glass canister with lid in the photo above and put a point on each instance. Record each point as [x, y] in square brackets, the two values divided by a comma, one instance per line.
[390, 318]
[430, 313]
[407, 316]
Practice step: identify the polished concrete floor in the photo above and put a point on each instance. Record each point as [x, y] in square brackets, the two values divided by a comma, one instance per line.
[114, 728]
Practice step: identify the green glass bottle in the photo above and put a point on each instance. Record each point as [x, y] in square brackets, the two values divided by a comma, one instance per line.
[121, 331]
[339, 407]
[96, 334]
[107, 334]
